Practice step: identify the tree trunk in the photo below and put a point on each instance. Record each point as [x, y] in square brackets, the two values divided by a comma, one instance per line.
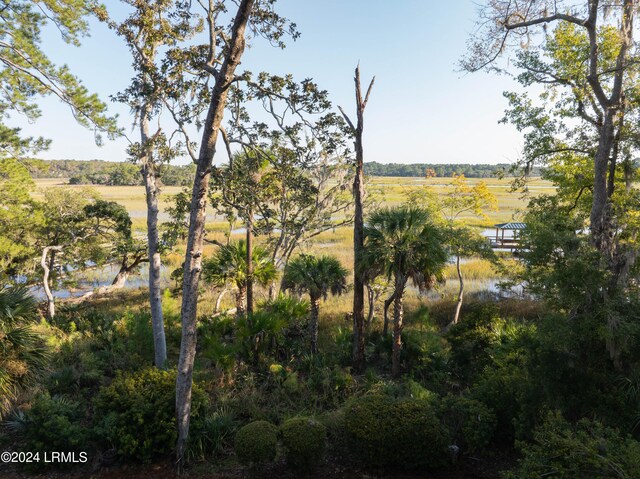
[398, 316]
[313, 324]
[219, 300]
[387, 304]
[152, 191]
[120, 280]
[371, 296]
[197, 219]
[456, 315]
[44, 262]
[358, 225]
[241, 305]
[600, 214]
[249, 261]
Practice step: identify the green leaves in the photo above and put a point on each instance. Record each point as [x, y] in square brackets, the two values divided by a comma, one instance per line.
[229, 265]
[316, 275]
[27, 73]
[404, 242]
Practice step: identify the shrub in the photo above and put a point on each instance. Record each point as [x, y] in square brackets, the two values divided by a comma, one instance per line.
[469, 422]
[52, 424]
[304, 440]
[587, 450]
[256, 443]
[211, 433]
[404, 434]
[136, 413]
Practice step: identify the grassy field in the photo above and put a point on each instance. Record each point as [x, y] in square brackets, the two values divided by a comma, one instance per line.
[385, 191]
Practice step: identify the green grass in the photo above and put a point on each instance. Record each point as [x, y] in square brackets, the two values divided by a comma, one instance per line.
[339, 242]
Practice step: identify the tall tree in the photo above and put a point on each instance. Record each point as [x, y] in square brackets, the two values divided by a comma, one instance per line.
[150, 27]
[318, 276]
[302, 146]
[20, 215]
[357, 130]
[28, 74]
[594, 75]
[405, 244]
[216, 61]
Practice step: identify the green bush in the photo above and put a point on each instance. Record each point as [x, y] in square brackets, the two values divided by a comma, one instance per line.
[469, 422]
[256, 443]
[395, 433]
[304, 440]
[54, 424]
[136, 413]
[587, 450]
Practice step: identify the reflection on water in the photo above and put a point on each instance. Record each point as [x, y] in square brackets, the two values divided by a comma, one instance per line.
[85, 281]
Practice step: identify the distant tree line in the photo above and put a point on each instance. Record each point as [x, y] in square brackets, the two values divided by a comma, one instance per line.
[111, 173]
[438, 170]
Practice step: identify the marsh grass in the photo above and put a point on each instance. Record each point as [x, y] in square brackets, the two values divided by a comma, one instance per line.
[479, 274]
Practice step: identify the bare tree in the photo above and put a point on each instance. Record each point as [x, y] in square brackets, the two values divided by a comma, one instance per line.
[358, 222]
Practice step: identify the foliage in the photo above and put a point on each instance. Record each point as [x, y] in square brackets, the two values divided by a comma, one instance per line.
[256, 443]
[316, 275]
[19, 215]
[211, 434]
[305, 441]
[24, 354]
[28, 73]
[469, 422]
[587, 450]
[228, 265]
[404, 243]
[54, 424]
[419, 170]
[136, 413]
[395, 433]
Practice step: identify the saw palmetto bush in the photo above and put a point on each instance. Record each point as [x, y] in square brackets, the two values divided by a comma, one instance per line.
[23, 352]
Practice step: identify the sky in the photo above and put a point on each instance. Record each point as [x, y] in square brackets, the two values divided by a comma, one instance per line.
[422, 108]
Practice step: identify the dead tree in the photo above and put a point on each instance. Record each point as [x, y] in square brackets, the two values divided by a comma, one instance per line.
[358, 223]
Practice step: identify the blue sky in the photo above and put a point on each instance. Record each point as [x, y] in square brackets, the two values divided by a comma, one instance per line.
[422, 110]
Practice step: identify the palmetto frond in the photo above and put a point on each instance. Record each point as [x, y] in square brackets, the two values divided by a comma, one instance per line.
[404, 241]
[316, 275]
[23, 352]
[229, 265]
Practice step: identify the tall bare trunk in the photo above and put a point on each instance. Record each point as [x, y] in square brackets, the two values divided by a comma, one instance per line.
[46, 263]
[456, 315]
[371, 296]
[358, 225]
[249, 261]
[313, 324]
[387, 305]
[197, 219]
[152, 191]
[600, 208]
[398, 318]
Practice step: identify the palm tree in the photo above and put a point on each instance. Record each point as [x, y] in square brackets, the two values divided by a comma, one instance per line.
[404, 244]
[318, 276]
[229, 265]
[23, 353]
